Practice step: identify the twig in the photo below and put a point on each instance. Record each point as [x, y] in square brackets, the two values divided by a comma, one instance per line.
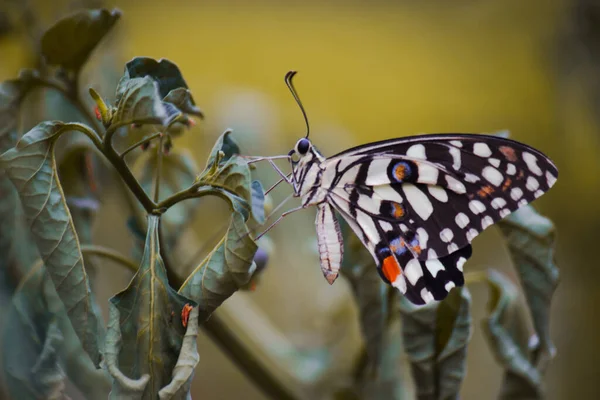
[138, 144]
[110, 254]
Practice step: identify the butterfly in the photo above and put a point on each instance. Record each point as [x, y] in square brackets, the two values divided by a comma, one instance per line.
[416, 203]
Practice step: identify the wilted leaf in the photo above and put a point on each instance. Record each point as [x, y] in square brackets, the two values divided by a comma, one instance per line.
[138, 101]
[71, 40]
[182, 99]
[226, 170]
[506, 331]
[164, 72]
[179, 388]
[435, 340]
[29, 345]
[531, 240]
[258, 202]
[369, 293]
[178, 172]
[228, 267]
[31, 166]
[146, 318]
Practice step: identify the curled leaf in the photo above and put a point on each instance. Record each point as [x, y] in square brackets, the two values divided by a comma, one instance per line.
[31, 166]
[435, 339]
[146, 319]
[258, 202]
[227, 171]
[182, 99]
[163, 71]
[228, 267]
[183, 373]
[505, 329]
[531, 239]
[139, 102]
[70, 41]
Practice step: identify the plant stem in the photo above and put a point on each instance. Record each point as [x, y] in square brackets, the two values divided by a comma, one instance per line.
[159, 159]
[140, 143]
[111, 254]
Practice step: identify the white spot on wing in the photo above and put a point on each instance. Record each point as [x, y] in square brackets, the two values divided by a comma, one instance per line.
[522, 203]
[449, 286]
[438, 192]
[504, 213]
[494, 161]
[434, 266]
[418, 200]
[471, 178]
[516, 193]
[428, 173]
[431, 254]
[455, 185]
[423, 237]
[386, 226]
[461, 220]
[550, 178]
[386, 192]
[511, 169]
[498, 202]
[492, 175]
[416, 151]
[377, 173]
[471, 234]
[532, 183]
[367, 225]
[531, 162]
[400, 283]
[482, 150]
[538, 193]
[426, 296]
[476, 207]
[460, 263]
[369, 204]
[446, 235]
[452, 247]
[455, 153]
[456, 143]
[412, 271]
[486, 221]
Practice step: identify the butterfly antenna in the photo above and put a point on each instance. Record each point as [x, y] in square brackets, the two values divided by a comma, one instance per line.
[290, 85]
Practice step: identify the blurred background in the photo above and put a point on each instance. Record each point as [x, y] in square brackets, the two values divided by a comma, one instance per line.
[368, 70]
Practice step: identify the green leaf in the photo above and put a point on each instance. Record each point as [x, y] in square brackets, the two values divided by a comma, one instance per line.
[506, 331]
[31, 166]
[531, 239]
[29, 349]
[258, 202]
[228, 267]
[163, 71]
[183, 100]
[227, 171]
[138, 101]
[369, 292]
[178, 172]
[435, 339]
[145, 330]
[183, 373]
[70, 41]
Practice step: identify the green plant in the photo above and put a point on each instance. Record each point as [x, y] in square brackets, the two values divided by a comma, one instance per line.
[49, 180]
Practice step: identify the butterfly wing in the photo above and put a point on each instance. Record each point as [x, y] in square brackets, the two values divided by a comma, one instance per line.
[425, 198]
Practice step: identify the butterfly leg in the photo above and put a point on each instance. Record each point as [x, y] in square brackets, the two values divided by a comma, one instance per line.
[278, 220]
[331, 245]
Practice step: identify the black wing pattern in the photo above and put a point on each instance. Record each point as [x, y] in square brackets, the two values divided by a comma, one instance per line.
[417, 203]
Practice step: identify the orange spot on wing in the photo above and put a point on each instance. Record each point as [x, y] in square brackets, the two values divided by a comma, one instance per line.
[417, 249]
[506, 184]
[509, 153]
[398, 211]
[391, 268]
[399, 171]
[485, 191]
[185, 314]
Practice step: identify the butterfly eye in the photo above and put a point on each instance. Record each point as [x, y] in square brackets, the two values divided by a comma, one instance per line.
[302, 146]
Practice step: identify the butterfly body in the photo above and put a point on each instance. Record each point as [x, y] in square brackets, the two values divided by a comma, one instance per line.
[416, 203]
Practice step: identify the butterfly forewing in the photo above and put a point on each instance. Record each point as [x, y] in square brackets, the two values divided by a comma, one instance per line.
[417, 203]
